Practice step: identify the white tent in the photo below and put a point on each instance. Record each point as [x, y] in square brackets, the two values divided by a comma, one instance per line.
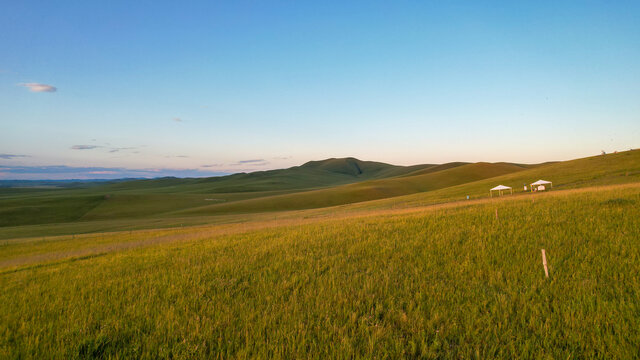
[541, 185]
[500, 189]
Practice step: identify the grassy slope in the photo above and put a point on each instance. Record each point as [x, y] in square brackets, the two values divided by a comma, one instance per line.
[121, 212]
[143, 198]
[46, 209]
[617, 168]
[363, 191]
[446, 182]
[136, 206]
[314, 174]
[440, 283]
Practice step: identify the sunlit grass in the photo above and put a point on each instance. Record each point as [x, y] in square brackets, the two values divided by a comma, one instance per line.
[451, 282]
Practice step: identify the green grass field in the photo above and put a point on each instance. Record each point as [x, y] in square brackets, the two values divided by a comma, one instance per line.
[439, 281]
[417, 273]
[164, 203]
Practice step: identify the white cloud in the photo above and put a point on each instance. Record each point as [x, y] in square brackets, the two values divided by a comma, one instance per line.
[37, 87]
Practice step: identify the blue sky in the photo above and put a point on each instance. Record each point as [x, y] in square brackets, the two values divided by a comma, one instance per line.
[201, 88]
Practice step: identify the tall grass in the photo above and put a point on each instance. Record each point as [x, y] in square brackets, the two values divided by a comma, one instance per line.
[451, 282]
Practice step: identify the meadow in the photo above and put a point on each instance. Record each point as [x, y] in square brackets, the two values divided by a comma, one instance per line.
[329, 186]
[422, 281]
[208, 180]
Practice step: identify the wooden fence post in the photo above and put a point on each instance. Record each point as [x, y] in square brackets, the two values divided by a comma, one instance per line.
[544, 263]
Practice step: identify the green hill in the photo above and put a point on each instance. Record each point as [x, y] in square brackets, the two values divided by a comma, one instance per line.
[619, 168]
[153, 200]
[437, 282]
[349, 182]
[313, 174]
[445, 176]
[142, 198]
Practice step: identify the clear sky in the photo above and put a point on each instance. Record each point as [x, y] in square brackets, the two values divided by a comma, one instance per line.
[194, 88]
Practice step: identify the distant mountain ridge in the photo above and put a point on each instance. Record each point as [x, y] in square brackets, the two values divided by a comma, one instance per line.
[313, 174]
[421, 180]
[67, 183]
[315, 184]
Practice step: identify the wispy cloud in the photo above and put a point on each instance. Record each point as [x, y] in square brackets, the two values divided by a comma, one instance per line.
[254, 161]
[121, 149]
[11, 156]
[282, 158]
[37, 87]
[102, 172]
[177, 119]
[211, 165]
[85, 147]
[251, 162]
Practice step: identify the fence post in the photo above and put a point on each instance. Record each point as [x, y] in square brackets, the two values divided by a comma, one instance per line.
[544, 263]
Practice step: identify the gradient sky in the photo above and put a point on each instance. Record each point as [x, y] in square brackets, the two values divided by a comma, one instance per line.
[201, 87]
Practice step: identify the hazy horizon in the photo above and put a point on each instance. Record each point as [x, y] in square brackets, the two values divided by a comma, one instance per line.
[60, 173]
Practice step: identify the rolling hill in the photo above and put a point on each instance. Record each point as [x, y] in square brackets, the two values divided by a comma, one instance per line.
[142, 198]
[348, 182]
[442, 177]
[313, 174]
[449, 281]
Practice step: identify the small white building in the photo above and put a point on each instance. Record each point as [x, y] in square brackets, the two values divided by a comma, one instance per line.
[500, 189]
[541, 185]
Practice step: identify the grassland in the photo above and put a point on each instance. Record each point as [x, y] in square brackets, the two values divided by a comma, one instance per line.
[393, 263]
[166, 203]
[442, 185]
[420, 281]
[144, 198]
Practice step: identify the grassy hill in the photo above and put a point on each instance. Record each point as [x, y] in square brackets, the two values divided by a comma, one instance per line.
[141, 198]
[313, 174]
[445, 183]
[619, 168]
[281, 190]
[436, 282]
[425, 180]
[178, 202]
[419, 272]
